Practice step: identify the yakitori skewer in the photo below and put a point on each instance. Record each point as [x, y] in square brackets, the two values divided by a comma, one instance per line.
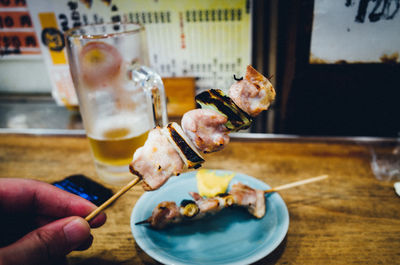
[167, 151]
[240, 195]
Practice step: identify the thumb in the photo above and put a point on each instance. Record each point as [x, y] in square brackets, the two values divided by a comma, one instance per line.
[48, 243]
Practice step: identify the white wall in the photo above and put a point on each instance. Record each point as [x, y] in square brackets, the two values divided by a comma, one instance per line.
[24, 75]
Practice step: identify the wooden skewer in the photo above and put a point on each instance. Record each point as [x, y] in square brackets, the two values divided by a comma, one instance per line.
[297, 183]
[112, 199]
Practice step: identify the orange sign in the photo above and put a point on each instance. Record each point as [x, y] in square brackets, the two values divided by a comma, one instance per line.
[17, 40]
[12, 3]
[52, 37]
[15, 19]
[17, 35]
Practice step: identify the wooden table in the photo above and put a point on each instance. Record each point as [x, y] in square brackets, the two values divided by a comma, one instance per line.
[350, 218]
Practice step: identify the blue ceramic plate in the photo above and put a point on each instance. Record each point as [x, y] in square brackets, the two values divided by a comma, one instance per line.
[232, 236]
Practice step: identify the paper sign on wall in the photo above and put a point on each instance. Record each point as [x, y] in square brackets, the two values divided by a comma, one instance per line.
[206, 39]
[356, 31]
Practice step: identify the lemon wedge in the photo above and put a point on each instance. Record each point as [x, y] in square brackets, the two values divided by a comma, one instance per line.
[210, 184]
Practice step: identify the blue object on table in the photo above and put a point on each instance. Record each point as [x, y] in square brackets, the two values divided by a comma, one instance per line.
[86, 188]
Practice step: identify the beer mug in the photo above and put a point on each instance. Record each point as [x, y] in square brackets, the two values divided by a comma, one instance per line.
[120, 98]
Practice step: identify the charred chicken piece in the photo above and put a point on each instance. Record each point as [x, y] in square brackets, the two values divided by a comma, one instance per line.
[164, 214]
[183, 145]
[216, 100]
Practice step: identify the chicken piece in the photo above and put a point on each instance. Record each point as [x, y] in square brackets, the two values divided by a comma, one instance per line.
[165, 213]
[156, 161]
[206, 129]
[206, 205]
[252, 199]
[253, 94]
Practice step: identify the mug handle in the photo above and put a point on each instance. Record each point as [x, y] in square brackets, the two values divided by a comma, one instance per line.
[153, 86]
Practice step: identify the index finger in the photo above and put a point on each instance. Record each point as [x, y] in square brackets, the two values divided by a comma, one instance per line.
[31, 196]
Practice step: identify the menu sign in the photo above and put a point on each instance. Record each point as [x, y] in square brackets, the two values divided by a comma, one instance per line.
[206, 39]
[356, 31]
[17, 35]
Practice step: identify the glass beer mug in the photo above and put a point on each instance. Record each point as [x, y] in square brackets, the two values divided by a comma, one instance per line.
[120, 98]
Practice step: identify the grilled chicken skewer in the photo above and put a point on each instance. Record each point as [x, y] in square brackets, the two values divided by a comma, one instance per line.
[168, 212]
[169, 150]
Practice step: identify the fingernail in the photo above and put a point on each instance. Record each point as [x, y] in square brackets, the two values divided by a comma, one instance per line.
[76, 232]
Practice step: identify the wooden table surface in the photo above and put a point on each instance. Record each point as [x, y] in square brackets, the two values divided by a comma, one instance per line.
[350, 218]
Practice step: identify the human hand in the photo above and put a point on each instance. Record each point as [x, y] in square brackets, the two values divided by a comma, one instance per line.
[40, 224]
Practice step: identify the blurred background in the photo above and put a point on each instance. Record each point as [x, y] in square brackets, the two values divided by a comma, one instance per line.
[334, 64]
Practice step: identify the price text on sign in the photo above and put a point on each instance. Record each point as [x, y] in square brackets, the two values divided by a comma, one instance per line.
[17, 35]
[9, 20]
[12, 3]
[18, 43]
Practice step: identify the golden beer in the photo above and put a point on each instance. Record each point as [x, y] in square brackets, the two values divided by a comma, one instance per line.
[116, 146]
